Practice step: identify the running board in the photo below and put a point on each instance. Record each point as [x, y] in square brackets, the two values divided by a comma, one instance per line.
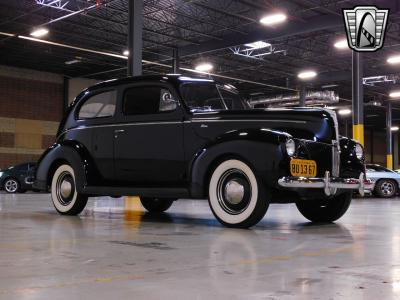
[128, 191]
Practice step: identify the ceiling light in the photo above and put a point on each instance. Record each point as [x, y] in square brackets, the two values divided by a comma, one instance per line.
[393, 59]
[71, 62]
[273, 19]
[204, 67]
[39, 32]
[6, 33]
[344, 112]
[327, 86]
[258, 45]
[307, 74]
[394, 128]
[341, 44]
[126, 52]
[394, 94]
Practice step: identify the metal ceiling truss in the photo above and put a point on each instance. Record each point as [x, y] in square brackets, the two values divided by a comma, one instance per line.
[256, 53]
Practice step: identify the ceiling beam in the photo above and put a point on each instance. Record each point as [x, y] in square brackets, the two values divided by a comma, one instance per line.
[290, 29]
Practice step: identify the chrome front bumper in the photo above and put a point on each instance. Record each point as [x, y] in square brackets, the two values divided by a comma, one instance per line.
[329, 184]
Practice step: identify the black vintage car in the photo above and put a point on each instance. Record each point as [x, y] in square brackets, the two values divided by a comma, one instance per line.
[18, 179]
[169, 137]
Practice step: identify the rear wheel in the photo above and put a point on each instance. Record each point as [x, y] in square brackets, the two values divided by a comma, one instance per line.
[156, 205]
[66, 199]
[11, 185]
[326, 210]
[386, 188]
[236, 197]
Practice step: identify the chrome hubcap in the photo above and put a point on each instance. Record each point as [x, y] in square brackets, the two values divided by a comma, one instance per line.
[11, 186]
[387, 188]
[234, 192]
[66, 189]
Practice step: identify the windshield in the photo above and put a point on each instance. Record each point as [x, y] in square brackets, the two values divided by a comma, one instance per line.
[377, 168]
[207, 96]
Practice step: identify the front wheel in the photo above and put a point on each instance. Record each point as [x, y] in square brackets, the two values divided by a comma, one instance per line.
[236, 197]
[65, 197]
[326, 210]
[386, 188]
[11, 186]
[156, 205]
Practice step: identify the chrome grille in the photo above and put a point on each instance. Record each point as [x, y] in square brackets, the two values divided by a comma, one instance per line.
[336, 145]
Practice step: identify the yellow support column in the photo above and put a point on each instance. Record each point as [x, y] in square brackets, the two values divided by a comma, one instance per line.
[389, 161]
[358, 133]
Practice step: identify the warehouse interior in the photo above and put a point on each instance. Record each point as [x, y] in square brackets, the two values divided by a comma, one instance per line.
[51, 50]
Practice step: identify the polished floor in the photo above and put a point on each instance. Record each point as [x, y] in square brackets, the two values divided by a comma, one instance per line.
[116, 251]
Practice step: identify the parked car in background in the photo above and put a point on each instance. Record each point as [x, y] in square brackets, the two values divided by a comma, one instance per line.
[18, 179]
[386, 182]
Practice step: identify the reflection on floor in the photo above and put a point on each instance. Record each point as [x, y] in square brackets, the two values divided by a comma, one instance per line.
[115, 250]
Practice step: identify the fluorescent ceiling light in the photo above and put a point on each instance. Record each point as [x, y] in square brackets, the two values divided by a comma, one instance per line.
[204, 67]
[71, 62]
[327, 86]
[39, 32]
[307, 74]
[126, 52]
[258, 45]
[394, 128]
[344, 111]
[394, 59]
[273, 19]
[341, 44]
[6, 33]
[394, 94]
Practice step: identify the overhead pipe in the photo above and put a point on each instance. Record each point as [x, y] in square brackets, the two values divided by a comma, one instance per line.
[312, 97]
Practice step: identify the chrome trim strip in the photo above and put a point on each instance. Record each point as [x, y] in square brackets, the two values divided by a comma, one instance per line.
[120, 124]
[245, 120]
[175, 122]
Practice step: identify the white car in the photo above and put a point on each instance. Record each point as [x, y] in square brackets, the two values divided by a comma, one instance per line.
[386, 182]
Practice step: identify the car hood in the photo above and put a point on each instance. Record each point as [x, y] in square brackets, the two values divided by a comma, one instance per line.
[304, 123]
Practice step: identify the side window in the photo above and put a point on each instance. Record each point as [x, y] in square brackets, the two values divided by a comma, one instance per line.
[148, 100]
[99, 106]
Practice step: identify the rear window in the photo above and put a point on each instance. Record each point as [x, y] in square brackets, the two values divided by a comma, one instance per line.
[99, 106]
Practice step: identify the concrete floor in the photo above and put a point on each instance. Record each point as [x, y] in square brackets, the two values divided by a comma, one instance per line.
[116, 251]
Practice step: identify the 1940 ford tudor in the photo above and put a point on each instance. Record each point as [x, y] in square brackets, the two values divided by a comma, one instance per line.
[169, 137]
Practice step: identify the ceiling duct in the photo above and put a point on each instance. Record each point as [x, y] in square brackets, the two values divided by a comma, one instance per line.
[312, 98]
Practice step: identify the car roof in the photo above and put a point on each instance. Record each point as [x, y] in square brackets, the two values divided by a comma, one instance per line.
[172, 78]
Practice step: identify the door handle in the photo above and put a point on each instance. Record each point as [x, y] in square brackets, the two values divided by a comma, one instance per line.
[117, 131]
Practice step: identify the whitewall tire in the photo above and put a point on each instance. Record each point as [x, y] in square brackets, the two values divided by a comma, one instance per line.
[236, 197]
[66, 199]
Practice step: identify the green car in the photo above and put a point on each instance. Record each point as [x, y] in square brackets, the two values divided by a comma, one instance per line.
[18, 179]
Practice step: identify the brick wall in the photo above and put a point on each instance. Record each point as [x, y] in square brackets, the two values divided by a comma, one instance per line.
[31, 105]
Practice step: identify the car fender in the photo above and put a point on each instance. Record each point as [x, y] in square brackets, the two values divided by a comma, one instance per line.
[261, 149]
[69, 152]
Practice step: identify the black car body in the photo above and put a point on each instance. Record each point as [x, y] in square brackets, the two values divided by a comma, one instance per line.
[19, 178]
[164, 137]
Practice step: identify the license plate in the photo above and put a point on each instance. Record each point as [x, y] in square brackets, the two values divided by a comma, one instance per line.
[303, 168]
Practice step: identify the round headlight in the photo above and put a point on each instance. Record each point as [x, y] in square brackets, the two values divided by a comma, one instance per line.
[359, 151]
[290, 147]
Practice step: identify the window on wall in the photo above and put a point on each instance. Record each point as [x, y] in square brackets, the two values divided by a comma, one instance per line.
[148, 100]
[99, 106]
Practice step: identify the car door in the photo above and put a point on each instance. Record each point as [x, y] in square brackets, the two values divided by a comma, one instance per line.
[95, 119]
[148, 142]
